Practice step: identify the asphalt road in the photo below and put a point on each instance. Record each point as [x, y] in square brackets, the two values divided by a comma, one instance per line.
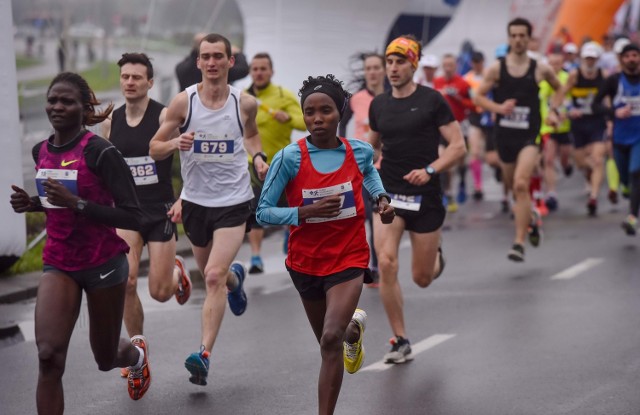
[558, 334]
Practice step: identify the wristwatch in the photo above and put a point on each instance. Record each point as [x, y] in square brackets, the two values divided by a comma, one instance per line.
[80, 205]
[262, 155]
[430, 170]
[386, 196]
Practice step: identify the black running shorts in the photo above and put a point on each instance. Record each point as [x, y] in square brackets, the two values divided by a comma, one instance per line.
[113, 272]
[200, 222]
[313, 287]
[156, 225]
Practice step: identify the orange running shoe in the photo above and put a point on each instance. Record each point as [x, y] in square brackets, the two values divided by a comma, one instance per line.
[184, 282]
[139, 379]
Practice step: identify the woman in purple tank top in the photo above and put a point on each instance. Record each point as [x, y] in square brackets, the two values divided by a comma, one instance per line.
[86, 190]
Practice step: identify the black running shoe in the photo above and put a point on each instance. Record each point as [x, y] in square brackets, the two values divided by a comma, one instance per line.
[516, 253]
[400, 351]
[592, 207]
[535, 229]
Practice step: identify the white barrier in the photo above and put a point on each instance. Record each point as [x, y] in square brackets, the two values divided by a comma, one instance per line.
[12, 234]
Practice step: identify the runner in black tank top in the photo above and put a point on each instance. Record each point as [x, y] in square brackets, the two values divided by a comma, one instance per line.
[131, 128]
[514, 80]
[519, 129]
[133, 143]
[587, 128]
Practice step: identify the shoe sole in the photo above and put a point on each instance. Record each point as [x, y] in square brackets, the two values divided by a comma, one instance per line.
[628, 229]
[137, 394]
[186, 281]
[516, 257]
[243, 295]
[198, 377]
[403, 359]
[255, 270]
[359, 365]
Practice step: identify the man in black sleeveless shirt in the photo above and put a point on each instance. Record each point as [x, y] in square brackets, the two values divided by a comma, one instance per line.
[514, 80]
[130, 129]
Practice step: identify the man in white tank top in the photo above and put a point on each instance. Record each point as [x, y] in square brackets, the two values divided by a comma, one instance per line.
[217, 123]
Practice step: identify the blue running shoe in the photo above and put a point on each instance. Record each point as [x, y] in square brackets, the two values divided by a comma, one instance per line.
[256, 265]
[462, 195]
[237, 298]
[198, 365]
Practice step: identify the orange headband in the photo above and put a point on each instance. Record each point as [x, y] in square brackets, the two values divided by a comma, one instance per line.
[406, 47]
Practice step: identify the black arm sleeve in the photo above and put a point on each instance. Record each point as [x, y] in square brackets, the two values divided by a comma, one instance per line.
[240, 68]
[344, 121]
[107, 163]
[609, 89]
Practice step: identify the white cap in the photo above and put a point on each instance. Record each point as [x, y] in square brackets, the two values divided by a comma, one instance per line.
[620, 44]
[570, 48]
[591, 50]
[429, 61]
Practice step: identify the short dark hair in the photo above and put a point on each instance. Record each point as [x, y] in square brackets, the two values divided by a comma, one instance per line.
[368, 55]
[264, 55]
[215, 38]
[140, 58]
[520, 21]
[477, 57]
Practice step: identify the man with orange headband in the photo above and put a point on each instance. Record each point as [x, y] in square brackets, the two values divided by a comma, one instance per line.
[514, 80]
[407, 123]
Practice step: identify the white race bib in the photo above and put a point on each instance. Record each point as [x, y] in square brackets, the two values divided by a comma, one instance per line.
[410, 202]
[347, 198]
[209, 147]
[634, 103]
[68, 178]
[519, 119]
[143, 169]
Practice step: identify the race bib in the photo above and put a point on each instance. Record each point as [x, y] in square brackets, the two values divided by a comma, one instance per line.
[411, 202]
[212, 148]
[634, 103]
[68, 178]
[143, 170]
[585, 104]
[347, 199]
[519, 119]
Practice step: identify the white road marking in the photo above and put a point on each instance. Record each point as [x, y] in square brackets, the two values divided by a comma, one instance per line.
[422, 346]
[577, 269]
[28, 329]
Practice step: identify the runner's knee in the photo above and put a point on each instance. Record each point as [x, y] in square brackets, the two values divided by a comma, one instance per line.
[331, 340]
[215, 276]
[423, 278]
[52, 359]
[161, 292]
[520, 186]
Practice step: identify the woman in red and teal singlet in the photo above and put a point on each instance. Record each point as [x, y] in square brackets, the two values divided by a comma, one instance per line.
[323, 176]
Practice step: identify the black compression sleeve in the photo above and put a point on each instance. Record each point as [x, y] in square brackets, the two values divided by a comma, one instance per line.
[107, 163]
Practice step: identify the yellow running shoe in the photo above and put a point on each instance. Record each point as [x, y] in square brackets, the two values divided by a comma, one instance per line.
[353, 353]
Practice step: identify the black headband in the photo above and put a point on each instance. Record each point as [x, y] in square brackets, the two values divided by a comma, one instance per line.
[334, 92]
